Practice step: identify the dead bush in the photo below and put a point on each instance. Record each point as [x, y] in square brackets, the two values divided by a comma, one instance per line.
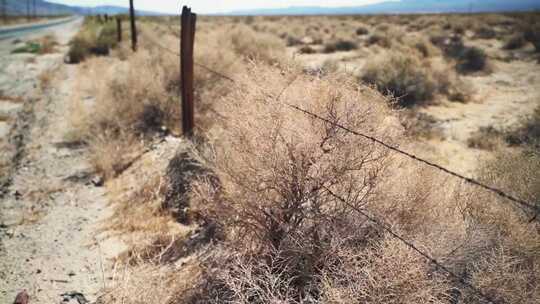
[528, 134]
[306, 49]
[361, 31]
[257, 46]
[340, 46]
[532, 34]
[485, 33]
[472, 59]
[380, 40]
[386, 272]
[278, 169]
[403, 76]
[486, 138]
[515, 42]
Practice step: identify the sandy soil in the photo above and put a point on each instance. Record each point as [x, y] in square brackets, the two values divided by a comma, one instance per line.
[51, 209]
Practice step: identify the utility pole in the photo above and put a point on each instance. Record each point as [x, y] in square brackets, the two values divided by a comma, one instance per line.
[28, 10]
[35, 10]
[133, 26]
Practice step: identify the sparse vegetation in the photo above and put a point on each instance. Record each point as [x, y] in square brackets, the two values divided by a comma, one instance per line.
[515, 42]
[93, 39]
[472, 59]
[486, 138]
[403, 76]
[45, 45]
[340, 46]
[532, 34]
[362, 31]
[254, 204]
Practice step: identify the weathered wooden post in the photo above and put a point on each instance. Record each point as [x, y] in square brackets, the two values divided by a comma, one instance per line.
[4, 11]
[133, 26]
[187, 41]
[28, 10]
[119, 29]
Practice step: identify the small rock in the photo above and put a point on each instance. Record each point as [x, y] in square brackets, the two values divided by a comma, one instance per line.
[22, 298]
[98, 181]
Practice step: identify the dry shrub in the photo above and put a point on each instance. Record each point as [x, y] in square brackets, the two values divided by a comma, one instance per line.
[422, 45]
[486, 138]
[402, 75]
[257, 46]
[485, 33]
[386, 272]
[340, 46]
[306, 49]
[93, 39]
[379, 39]
[278, 169]
[360, 31]
[532, 34]
[529, 133]
[472, 59]
[128, 108]
[515, 42]
[507, 272]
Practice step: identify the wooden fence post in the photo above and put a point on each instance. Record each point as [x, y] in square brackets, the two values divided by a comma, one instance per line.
[133, 26]
[28, 10]
[4, 11]
[118, 29]
[187, 40]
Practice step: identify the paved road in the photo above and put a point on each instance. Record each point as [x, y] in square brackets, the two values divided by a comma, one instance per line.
[26, 29]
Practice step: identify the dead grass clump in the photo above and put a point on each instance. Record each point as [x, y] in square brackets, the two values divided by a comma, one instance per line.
[472, 59]
[421, 125]
[423, 45]
[485, 33]
[403, 76]
[340, 46]
[386, 272]
[182, 171]
[532, 34]
[528, 134]
[361, 31]
[486, 138]
[515, 42]
[128, 111]
[45, 45]
[468, 59]
[379, 39]
[306, 49]
[257, 46]
[93, 39]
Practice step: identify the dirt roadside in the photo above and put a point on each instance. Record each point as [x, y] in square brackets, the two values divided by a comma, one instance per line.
[50, 209]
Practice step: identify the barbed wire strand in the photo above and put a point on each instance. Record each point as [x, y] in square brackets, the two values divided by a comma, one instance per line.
[411, 245]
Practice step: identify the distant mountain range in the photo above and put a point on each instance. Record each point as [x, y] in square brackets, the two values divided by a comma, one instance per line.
[405, 7]
[18, 7]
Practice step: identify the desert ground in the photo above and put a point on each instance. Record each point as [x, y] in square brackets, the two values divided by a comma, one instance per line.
[104, 200]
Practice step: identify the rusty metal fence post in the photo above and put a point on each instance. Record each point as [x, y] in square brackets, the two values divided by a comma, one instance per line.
[187, 41]
[133, 26]
[118, 29]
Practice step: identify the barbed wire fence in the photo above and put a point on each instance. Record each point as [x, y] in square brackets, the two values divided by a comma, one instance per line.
[527, 207]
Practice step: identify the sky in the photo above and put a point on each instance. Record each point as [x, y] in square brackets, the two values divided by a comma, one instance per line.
[215, 6]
